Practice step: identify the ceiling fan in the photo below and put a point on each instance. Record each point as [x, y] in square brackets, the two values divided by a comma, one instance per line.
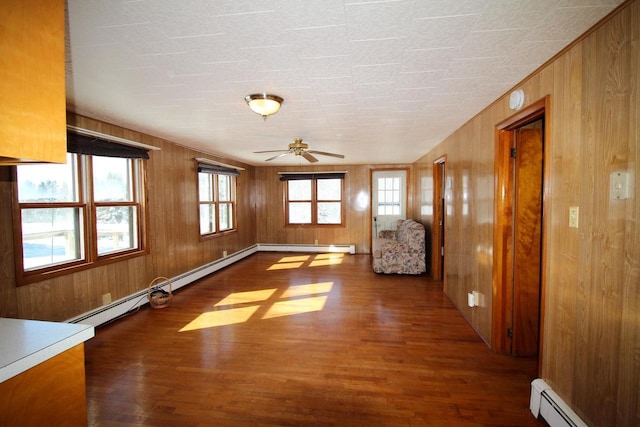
[299, 148]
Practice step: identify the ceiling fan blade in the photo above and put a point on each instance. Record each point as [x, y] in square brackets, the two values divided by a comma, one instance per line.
[309, 157]
[340, 156]
[278, 156]
[271, 151]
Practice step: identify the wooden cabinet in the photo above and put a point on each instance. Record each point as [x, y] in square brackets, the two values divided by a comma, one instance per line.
[42, 376]
[52, 393]
[32, 82]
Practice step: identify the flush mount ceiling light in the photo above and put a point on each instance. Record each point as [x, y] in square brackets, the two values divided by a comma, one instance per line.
[264, 103]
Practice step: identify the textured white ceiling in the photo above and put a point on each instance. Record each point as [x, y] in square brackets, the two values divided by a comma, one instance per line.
[377, 81]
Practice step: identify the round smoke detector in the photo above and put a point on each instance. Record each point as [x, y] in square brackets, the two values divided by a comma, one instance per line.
[516, 100]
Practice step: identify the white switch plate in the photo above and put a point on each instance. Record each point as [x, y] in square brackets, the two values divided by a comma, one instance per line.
[574, 214]
[619, 185]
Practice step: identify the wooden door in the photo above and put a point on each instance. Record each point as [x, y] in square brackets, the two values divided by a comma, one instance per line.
[389, 199]
[527, 245]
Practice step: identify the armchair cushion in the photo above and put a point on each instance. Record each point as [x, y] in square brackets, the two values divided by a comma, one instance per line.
[387, 234]
[404, 253]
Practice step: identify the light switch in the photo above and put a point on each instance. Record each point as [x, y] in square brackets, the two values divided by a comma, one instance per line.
[574, 213]
[619, 185]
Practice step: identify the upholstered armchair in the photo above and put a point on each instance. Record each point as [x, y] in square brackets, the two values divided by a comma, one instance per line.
[402, 251]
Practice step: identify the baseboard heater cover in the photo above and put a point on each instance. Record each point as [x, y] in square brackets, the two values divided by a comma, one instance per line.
[120, 307]
[270, 247]
[547, 404]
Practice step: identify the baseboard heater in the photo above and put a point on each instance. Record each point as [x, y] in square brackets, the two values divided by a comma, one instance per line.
[131, 302]
[547, 404]
[270, 247]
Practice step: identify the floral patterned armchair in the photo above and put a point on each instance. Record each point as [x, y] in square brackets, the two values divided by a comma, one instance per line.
[402, 251]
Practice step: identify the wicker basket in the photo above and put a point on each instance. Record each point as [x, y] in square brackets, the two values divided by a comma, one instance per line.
[158, 297]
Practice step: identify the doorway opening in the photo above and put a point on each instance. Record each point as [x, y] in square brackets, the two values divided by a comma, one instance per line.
[388, 200]
[438, 226]
[518, 263]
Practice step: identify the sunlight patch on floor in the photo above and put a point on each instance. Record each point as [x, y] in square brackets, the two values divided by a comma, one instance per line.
[247, 297]
[212, 319]
[310, 289]
[296, 306]
[329, 256]
[296, 258]
[286, 266]
[298, 261]
[239, 307]
[326, 259]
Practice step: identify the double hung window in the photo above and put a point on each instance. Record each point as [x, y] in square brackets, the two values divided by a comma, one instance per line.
[314, 199]
[217, 199]
[86, 212]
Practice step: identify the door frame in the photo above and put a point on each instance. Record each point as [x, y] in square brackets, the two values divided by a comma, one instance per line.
[502, 303]
[437, 231]
[407, 201]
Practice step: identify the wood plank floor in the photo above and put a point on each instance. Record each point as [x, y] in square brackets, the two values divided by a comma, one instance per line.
[303, 340]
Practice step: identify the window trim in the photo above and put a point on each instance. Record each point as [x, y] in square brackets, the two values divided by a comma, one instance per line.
[314, 178]
[214, 171]
[88, 229]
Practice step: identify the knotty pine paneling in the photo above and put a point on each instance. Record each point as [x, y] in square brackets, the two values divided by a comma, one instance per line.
[591, 336]
[175, 245]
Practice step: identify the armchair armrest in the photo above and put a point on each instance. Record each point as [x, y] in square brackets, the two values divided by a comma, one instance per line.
[378, 243]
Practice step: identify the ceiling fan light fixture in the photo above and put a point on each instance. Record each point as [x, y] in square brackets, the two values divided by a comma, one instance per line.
[264, 104]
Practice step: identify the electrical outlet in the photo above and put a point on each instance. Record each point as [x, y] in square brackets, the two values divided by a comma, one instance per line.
[574, 214]
[106, 298]
[224, 254]
[316, 242]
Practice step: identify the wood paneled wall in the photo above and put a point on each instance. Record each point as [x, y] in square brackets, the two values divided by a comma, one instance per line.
[174, 236]
[175, 243]
[591, 331]
[270, 208]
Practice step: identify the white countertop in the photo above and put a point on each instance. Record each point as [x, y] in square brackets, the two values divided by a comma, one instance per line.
[27, 343]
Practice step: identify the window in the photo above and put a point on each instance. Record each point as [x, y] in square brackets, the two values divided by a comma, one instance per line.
[72, 216]
[389, 196]
[217, 199]
[313, 199]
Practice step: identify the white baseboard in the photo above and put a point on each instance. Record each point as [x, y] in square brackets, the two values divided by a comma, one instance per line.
[547, 404]
[106, 313]
[271, 247]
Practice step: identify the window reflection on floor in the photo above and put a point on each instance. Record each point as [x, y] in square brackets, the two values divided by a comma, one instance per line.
[239, 307]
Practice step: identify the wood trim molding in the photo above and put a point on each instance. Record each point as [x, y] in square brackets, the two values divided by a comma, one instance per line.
[503, 222]
[437, 268]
